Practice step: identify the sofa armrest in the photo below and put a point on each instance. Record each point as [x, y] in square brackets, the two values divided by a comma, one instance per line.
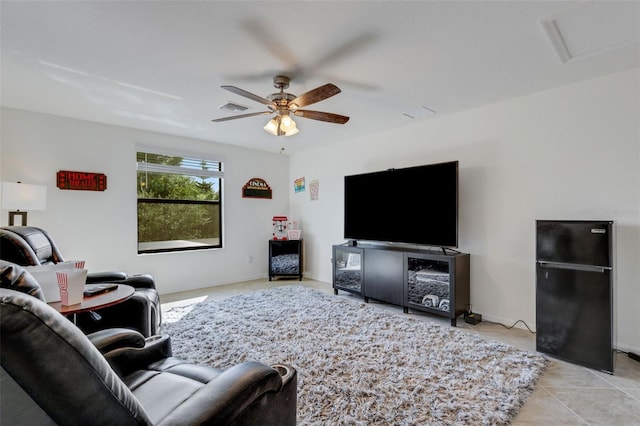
[140, 281]
[225, 398]
[137, 281]
[105, 277]
[114, 338]
[125, 360]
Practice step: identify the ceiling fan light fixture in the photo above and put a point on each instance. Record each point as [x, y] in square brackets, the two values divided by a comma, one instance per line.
[272, 126]
[281, 126]
[284, 105]
[288, 126]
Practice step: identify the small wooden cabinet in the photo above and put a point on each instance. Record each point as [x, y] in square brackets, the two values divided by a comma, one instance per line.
[427, 280]
[285, 258]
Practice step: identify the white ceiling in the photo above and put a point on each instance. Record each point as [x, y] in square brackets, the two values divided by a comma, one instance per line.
[159, 65]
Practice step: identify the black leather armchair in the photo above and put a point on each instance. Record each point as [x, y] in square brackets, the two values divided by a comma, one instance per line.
[52, 373]
[31, 246]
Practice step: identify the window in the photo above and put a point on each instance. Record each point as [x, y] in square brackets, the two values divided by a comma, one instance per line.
[179, 203]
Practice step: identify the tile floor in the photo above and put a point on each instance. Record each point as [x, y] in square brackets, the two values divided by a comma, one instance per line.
[566, 394]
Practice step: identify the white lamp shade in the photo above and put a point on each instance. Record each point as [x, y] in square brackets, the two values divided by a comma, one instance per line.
[288, 126]
[272, 126]
[22, 196]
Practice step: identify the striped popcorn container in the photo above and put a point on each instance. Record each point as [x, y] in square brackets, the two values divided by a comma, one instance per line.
[71, 284]
[63, 285]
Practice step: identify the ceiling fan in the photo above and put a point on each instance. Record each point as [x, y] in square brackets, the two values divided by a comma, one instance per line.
[283, 105]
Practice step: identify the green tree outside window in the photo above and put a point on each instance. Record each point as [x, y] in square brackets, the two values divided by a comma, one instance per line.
[179, 203]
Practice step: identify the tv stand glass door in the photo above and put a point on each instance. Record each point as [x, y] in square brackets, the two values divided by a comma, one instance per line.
[347, 269]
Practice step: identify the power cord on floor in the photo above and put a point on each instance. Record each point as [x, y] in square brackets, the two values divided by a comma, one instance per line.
[513, 325]
[634, 356]
[468, 314]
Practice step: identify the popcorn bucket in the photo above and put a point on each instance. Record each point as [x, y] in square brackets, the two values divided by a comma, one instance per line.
[71, 284]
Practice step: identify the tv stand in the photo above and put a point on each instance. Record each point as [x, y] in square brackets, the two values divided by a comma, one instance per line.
[424, 280]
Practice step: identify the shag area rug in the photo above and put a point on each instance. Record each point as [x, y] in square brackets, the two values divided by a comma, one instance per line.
[358, 364]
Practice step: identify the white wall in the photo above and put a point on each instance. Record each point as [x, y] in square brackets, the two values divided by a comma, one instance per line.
[101, 227]
[567, 153]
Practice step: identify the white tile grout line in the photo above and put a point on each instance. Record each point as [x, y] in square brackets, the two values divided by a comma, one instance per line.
[564, 405]
[625, 391]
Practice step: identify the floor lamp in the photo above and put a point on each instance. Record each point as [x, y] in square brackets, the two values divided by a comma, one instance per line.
[20, 197]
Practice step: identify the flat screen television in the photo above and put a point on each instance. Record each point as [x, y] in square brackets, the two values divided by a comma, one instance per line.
[417, 205]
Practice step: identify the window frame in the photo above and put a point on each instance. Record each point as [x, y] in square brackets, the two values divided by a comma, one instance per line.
[142, 166]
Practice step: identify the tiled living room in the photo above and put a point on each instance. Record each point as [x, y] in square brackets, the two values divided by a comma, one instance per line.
[566, 394]
[277, 104]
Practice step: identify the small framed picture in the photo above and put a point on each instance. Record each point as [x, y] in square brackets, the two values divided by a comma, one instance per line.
[353, 261]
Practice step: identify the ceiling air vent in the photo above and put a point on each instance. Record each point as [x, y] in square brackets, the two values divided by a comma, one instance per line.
[233, 108]
[419, 112]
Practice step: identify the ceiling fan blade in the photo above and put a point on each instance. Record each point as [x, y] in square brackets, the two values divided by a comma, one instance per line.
[322, 116]
[315, 95]
[276, 42]
[233, 117]
[272, 41]
[249, 95]
[342, 51]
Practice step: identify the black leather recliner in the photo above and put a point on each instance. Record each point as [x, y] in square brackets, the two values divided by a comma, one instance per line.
[52, 373]
[31, 246]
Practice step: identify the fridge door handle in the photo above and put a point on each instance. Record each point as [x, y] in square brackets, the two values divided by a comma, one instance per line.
[573, 266]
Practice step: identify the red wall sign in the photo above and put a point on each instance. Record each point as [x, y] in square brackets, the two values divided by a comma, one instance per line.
[84, 181]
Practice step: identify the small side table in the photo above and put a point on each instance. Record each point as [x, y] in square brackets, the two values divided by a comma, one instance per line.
[285, 258]
[102, 300]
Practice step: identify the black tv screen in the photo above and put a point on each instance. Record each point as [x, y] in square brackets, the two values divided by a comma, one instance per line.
[417, 205]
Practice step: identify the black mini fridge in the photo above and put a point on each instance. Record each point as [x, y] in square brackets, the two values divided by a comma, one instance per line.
[574, 284]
